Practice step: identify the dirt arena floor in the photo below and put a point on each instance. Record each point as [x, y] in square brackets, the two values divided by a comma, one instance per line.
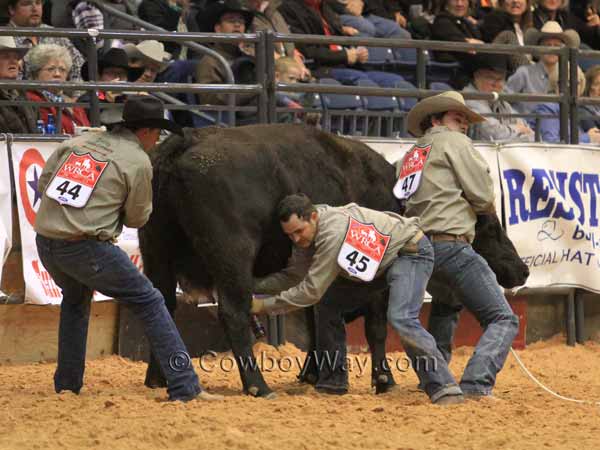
[115, 411]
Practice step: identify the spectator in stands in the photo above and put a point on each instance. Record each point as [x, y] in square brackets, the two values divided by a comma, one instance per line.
[288, 70]
[13, 119]
[357, 21]
[507, 25]
[28, 13]
[534, 78]
[113, 66]
[317, 17]
[489, 75]
[85, 15]
[558, 11]
[52, 62]
[550, 127]
[170, 15]
[454, 23]
[225, 16]
[589, 115]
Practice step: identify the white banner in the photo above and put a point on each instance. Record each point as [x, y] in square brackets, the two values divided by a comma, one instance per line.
[552, 212]
[5, 206]
[28, 159]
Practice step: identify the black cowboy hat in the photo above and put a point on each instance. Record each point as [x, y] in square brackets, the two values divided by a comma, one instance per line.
[144, 111]
[114, 57]
[497, 63]
[210, 16]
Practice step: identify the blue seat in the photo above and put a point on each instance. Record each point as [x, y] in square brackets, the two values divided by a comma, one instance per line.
[377, 103]
[440, 86]
[334, 104]
[339, 101]
[440, 71]
[405, 103]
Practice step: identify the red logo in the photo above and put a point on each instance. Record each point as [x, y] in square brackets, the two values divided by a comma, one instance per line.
[82, 169]
[367, 239]
[30, 169]
[414, 160]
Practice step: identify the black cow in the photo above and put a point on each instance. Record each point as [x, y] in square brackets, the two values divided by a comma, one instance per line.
[214, 225]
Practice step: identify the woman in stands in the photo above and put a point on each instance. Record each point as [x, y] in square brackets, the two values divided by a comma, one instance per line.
[454, 23]
[589, 115]
[50, 62]
[558, 11]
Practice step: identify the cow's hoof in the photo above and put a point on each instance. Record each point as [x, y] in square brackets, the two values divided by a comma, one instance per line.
[383, 383]
[156, 382]
[309, 378]
[266, 393]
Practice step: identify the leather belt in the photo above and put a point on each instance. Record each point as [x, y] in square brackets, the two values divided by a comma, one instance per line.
[447, 237]
[412, 245]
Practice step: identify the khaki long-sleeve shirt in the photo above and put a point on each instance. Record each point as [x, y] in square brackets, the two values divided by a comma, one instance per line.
[311, 271]
[122, 195]
[455, 185]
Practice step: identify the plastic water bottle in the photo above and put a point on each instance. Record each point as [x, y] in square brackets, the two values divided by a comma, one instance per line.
[257, 327]
[50, 127]
[41, 129]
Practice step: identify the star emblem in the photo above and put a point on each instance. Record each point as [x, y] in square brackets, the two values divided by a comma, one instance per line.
[33, 184]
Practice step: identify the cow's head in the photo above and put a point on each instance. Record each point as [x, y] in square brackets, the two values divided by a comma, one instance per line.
[492, 243]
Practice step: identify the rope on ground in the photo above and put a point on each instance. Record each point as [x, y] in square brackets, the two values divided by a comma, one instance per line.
[550, 391]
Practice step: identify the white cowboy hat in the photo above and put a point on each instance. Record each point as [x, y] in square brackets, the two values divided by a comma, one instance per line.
[444, 102]
[149, 51]
[552, 29]
[8, 43]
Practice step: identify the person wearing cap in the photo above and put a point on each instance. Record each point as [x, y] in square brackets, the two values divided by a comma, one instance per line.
[534, 78]
[449, 187]
[91, 187]
[328, 243]
[13, 119]
[488, 74]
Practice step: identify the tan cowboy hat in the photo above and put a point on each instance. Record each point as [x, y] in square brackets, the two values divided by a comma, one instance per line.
[153, 51]
[446, 101]
[552, 29]
[8, 43]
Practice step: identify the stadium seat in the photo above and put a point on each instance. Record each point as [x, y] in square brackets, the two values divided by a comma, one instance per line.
[439, 71]
[377, 103]
[340, 102]
[406, 103]
[440, 86]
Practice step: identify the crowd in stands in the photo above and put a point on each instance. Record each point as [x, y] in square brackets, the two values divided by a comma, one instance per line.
[554, 23]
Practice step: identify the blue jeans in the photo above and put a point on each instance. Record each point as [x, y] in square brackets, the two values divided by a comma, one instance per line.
[351, 76]
[459, 269]
[443, 320]
[407, 279]
[380, 27]
[81, 267]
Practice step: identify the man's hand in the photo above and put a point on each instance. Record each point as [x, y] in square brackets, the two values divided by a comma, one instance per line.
[523, 129]
[351, 56]
[349, 31]
[363, 54]
[400, 19]
[594, 134]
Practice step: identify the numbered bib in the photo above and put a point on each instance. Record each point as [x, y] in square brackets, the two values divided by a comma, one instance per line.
[362, 250]
[75, 180]
[410, 172]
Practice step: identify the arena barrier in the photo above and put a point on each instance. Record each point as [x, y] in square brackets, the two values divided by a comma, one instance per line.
[5, 202]
[545, 194]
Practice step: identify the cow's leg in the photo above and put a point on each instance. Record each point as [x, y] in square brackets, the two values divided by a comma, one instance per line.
[235, 318]
[310, 370]
[158, 267]
[376, 333]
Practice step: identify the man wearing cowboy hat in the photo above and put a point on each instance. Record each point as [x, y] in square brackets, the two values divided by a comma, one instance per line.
[223, 16]
[13, 119]
[113, 66]
[534, 78]
[447, 186]
[91, 187]
[488, 74]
